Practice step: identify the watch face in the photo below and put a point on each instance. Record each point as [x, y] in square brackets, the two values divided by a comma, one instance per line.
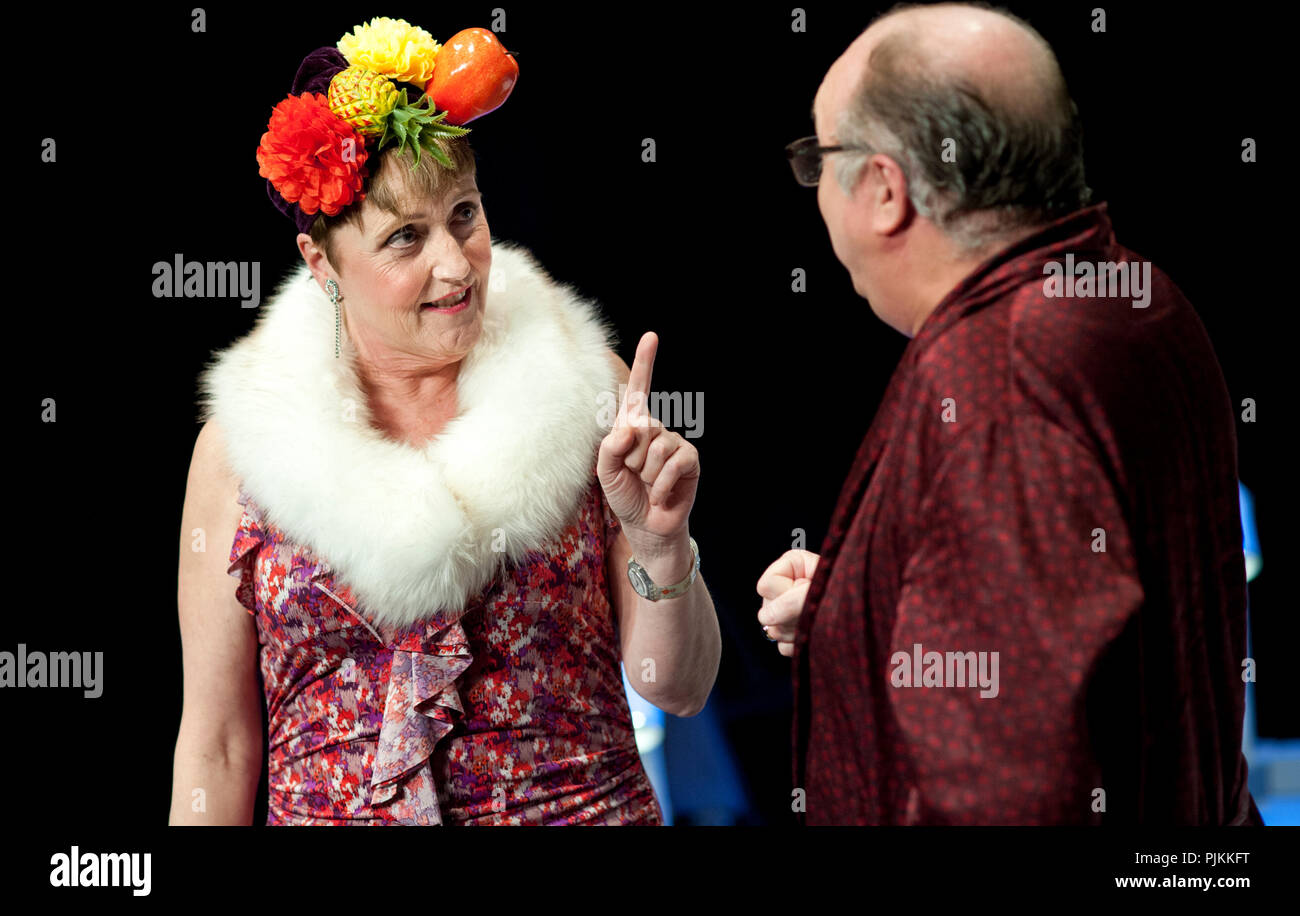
[640, 580]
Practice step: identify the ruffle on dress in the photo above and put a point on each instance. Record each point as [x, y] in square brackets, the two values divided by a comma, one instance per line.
[427, 658]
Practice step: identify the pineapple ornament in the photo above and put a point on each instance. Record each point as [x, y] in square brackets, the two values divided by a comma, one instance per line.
[375, 107]
[363, 98]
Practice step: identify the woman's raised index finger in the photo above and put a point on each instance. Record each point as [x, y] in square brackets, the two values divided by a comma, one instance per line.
[643, 364]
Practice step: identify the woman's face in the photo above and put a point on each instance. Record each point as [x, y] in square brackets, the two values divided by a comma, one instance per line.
[400, 275]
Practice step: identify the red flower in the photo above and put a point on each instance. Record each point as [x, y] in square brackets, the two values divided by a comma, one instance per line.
[302, 153]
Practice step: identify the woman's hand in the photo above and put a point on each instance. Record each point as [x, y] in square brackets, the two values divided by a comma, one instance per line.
[783, 588]
[649, 474]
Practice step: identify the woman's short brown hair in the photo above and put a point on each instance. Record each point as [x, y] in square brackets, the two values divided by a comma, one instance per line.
[391, 176]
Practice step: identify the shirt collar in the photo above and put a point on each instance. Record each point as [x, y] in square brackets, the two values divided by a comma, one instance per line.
[1086, 229]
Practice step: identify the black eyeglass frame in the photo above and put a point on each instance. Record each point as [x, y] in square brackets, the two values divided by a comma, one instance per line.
[805, 155]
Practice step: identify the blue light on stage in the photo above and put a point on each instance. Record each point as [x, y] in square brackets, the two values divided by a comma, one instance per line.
[1250, 536]
[1274, 763]
[648, 721]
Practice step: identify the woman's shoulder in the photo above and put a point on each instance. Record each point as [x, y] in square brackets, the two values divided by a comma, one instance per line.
[213, 490]
[212, 517]
[621, 370]
[210, 471]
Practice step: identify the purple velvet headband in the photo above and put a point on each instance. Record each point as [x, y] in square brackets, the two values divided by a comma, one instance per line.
[314, 75]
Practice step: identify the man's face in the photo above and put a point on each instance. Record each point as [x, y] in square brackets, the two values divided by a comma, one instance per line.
[843, 214]
[830, 199]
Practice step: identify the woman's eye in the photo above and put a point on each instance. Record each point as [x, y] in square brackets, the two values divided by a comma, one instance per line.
[402, 237]
[468, 211]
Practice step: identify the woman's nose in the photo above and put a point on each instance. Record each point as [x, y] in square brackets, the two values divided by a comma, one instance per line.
[449, 262]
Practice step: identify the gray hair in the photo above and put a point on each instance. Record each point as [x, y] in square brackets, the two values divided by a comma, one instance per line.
[1011, 169]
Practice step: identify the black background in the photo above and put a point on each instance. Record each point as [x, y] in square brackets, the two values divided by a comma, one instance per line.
[156, 129]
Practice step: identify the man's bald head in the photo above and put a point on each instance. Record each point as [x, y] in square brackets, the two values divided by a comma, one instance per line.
[1005, 59]
[971, 103]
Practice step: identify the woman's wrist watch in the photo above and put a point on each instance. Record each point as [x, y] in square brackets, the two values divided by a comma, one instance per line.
[645, 586]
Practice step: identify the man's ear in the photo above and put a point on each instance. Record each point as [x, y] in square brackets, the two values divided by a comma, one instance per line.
[891, 207]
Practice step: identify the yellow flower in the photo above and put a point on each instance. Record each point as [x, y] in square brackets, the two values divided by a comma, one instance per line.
[393, 47]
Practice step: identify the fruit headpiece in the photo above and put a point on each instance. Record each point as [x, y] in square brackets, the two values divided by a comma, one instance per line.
[350, 101]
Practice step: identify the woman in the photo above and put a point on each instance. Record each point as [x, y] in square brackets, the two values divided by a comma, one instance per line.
[430, 528]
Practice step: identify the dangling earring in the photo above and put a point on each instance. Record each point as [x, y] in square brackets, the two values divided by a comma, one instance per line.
[333, 289]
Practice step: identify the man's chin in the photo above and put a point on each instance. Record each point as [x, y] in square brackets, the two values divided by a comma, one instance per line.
[860, 285]
[893, 322]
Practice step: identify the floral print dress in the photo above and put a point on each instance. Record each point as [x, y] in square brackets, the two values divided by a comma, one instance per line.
[508, 711]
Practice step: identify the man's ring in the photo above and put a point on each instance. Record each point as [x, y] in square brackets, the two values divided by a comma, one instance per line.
[770, 637]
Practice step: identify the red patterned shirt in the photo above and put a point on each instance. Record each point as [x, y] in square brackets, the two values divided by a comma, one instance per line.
[1031, 605]
[509, 711]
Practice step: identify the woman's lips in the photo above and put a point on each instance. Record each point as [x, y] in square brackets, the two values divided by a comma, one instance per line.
[449, 310]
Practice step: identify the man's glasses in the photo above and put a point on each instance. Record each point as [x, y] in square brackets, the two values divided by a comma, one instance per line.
[805, 157]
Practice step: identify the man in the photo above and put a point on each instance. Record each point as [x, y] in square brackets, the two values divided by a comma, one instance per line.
[1030, 605]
